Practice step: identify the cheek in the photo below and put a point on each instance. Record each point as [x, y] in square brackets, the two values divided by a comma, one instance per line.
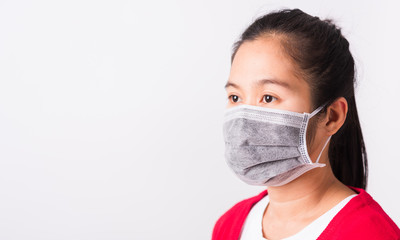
[301, 99]
[310, 134]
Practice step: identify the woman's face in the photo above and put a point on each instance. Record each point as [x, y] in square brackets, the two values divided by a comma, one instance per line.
[262, 75]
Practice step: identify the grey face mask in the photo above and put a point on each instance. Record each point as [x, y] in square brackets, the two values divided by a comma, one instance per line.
[265, 146]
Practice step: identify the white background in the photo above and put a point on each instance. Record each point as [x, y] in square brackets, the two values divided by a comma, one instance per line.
[111, 113]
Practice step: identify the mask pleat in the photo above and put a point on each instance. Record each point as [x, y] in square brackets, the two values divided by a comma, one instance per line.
[244, 132]
[247, 156]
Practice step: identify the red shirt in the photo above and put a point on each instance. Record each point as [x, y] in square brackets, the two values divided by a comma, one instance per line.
[361, 218]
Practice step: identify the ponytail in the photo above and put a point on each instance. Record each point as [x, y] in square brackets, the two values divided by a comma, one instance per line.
[347, 154]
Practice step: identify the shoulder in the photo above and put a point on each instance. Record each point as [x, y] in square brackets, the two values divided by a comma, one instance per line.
[230, 223]
[361, 218]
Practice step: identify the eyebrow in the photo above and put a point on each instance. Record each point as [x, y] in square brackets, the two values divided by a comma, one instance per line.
[231, 84]
[262, 82]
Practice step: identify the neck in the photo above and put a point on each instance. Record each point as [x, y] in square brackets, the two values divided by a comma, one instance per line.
[313, 192]
[314, 182]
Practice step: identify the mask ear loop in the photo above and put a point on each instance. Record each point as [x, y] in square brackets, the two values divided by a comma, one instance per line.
[326, 143]
[316, 111]
[329, 138]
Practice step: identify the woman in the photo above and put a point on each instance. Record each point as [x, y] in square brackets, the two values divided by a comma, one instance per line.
[292, 125]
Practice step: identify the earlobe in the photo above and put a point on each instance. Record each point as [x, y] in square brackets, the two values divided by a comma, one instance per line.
[336, 115]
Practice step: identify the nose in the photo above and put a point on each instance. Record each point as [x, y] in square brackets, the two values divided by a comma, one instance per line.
[248, 99]
[251, 99]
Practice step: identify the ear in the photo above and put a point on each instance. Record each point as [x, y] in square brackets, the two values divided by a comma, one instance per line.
[335, 116]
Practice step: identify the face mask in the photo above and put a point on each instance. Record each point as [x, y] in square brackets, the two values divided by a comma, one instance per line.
[265, 146]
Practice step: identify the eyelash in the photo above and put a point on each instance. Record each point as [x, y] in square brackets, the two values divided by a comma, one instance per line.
[274, 98]
[230, 98]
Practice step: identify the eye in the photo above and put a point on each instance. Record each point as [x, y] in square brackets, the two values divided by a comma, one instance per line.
[234, 98]
[268, 98]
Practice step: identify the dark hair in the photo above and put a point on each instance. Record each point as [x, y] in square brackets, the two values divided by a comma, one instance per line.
[323, 59]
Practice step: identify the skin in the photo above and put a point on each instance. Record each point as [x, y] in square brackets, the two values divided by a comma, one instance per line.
[263, 75]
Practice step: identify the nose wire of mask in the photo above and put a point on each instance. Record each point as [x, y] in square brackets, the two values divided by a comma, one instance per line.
[266, 146]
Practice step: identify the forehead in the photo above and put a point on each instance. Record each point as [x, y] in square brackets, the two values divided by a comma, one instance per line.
[263, 58]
